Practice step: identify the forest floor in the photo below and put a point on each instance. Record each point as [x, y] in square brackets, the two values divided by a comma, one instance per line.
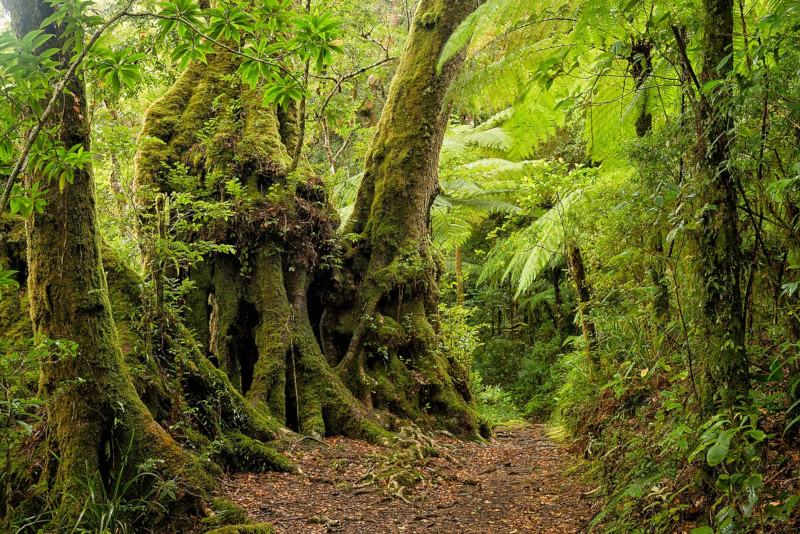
[521, 482]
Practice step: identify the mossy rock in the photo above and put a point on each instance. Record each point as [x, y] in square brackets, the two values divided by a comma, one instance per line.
[225, 513]
[256, 528]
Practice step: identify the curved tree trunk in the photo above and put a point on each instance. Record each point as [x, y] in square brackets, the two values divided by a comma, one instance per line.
[381, 322]
[94, 411]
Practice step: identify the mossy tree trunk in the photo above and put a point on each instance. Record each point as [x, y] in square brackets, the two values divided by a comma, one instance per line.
[583, 291]
[251, 310]
[719, 264]
[382, 321]
[94, 411]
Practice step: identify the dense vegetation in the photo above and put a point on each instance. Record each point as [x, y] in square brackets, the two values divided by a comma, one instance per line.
[229, 225]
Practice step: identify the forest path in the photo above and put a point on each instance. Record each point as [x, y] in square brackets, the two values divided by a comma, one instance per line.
[515, 484]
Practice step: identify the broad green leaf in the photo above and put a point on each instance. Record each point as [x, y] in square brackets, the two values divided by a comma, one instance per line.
[717, 453]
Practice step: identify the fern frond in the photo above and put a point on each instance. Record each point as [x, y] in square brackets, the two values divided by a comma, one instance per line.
[540, 298]
[522, 256]
[494, 138]
[451, 227]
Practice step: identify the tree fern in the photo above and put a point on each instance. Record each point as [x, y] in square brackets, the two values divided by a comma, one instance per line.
[522, 256]
[463, 204]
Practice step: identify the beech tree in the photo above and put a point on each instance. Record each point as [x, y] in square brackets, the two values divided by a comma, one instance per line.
[260, 312]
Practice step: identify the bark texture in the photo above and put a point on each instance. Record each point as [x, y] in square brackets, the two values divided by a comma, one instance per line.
[725, 373]
[381, 323]
[94, 411]
[584, 293]
[250, 310]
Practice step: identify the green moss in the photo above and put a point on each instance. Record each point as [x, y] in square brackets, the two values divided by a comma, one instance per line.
[375, 434]
[290, 124]
[241, 453]
[34, 504]
[388, 330]
[15, 320]
[192, 438]
[225, 513]
[220, 406]
[262, 132]
[215, 125]
[271, 335]
[197, 315]
[403, 476]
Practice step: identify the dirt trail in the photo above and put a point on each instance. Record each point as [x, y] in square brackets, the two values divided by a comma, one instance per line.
[514, 484]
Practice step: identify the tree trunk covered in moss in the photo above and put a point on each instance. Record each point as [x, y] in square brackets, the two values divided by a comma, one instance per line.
[173, 378]
[250, 309]
[719, 264]
[382, 320]
[584, 293]
[94, 411]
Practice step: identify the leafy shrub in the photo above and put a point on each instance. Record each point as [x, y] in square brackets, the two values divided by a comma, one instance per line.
[500, 360]
[494, 404]
[458, 337]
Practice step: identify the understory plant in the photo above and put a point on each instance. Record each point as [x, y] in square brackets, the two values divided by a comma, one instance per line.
[20, 409]
[655, 456]
[122, 504]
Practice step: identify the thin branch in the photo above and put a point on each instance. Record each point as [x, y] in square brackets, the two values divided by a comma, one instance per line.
[367, 37]
[346, 77]
[34, 133]
[688, 64]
